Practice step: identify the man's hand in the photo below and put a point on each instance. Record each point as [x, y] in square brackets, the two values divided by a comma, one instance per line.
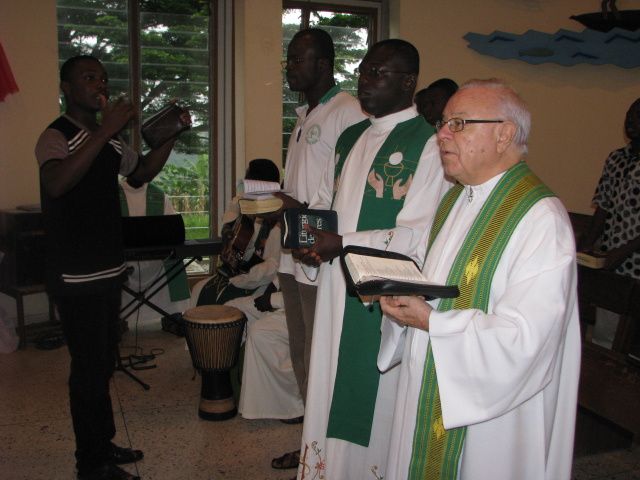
[409, 311]
[288, 201]
[116, 115]
[263, 302]
[185, 117]
[327, 246]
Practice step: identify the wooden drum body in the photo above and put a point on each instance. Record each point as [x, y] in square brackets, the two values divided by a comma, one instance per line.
[213, 334]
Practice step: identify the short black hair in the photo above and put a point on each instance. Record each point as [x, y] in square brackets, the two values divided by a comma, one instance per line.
[406, 52]
[263, 169]
[446, 84]
[68, 66]
[322, 42]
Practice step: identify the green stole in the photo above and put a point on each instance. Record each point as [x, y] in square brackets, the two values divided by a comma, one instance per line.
[357, 375]
[436, 451]
[178, 286]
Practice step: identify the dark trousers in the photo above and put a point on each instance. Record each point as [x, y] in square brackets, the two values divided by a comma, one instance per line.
[299, 310]
[90, 325]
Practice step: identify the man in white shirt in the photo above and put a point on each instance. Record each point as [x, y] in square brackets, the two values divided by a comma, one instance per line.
[328, 111]
[489, 380]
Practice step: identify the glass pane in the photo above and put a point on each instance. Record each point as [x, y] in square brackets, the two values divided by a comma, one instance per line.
[174, 64]
[174, 57]
[98, 28]
[350, 33]
[291, 23]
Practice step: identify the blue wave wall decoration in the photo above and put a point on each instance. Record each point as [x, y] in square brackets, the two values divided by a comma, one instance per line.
[618, 46]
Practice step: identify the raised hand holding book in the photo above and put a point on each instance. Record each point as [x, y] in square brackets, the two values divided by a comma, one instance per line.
[163, 125]
[372, 273]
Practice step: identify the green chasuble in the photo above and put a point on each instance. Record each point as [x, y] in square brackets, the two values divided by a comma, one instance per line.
[178, 286]
[357, 376]
[436, 451]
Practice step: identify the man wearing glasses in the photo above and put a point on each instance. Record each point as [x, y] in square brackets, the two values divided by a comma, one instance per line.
[507, 350]
[387, 173]
[328, 111]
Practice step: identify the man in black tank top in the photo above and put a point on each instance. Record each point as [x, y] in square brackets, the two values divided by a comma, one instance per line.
[80, 160]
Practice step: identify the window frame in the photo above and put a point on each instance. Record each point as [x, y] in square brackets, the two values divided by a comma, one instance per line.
[221, 106]
[375, 9]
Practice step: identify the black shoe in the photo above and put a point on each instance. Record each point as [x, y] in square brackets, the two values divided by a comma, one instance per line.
[286, 461]
[292, 421]
[121, 455]
[108, 472]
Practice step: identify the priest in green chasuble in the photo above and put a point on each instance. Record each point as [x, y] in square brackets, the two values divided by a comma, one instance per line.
[488, 381]
[384, 184]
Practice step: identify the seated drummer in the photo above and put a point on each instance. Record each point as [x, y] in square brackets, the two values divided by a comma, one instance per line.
[255, 240]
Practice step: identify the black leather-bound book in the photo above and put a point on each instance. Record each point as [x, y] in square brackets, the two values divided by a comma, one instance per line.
[163, 125]
[371, 273]
[294, 234]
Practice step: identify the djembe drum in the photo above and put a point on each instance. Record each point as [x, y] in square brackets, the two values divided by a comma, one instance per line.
[213, 334]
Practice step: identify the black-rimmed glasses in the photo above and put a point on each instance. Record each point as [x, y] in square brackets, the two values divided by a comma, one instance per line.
[457, 124]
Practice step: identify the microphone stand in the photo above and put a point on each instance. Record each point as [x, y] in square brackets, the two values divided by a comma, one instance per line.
[121, 367]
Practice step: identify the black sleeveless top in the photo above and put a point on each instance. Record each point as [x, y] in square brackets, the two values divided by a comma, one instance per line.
[82, 227]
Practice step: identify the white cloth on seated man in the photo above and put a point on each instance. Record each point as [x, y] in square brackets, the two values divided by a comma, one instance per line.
[269, 387]
[138, 202]
[259, 275]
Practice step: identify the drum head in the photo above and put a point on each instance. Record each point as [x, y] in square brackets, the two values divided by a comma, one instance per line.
[212, 314]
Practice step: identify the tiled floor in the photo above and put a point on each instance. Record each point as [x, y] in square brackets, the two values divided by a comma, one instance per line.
[36, 440]
[36, 437]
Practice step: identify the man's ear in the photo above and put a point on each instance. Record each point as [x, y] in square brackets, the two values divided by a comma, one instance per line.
[505, 132]
[64, 86]
[410, 81]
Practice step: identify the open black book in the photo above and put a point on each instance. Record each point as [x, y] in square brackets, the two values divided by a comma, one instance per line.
[371, 273]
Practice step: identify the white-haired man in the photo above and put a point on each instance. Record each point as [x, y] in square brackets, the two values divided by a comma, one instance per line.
[488, 382]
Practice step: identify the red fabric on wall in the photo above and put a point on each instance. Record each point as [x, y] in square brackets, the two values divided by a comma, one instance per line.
[7, 82]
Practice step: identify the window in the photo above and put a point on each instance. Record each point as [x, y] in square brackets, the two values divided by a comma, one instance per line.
[353, 27]
[156, 52]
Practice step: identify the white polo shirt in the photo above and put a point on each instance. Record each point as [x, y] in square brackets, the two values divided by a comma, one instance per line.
[310, 152]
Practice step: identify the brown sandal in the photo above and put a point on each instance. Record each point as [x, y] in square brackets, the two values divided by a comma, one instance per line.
[286, 461]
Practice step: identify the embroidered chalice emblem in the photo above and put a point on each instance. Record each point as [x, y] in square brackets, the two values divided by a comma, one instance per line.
[393, 168]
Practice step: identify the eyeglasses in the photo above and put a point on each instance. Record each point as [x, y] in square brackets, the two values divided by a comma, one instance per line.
[457, 124]
[374, 72]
